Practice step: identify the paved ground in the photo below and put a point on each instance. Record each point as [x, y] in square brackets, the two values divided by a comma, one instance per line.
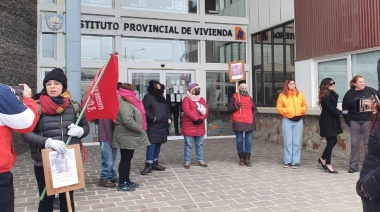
[223, 186]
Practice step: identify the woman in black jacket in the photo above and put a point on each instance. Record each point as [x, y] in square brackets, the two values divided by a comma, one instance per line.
[56, 124]
[329, 121]
[359, 122]
[158, 118]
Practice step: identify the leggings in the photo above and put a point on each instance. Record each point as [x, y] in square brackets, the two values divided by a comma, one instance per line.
[331, 141]
[126, 156]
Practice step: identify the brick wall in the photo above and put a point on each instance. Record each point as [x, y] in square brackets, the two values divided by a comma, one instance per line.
[18, 47]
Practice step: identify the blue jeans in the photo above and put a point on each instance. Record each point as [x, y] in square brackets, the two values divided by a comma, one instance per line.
[109, 160]
[292, 135]
[248, 142]
[152, 152]
[198, 140]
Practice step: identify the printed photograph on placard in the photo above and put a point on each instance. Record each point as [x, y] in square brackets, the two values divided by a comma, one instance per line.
[63, 168]
[366, 104]
[236, 71]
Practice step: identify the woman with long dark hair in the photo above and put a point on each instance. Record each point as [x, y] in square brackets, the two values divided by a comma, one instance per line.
[329, 121]
[291, 104]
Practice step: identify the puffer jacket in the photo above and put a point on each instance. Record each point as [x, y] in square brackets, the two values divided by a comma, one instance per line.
[128, 133]
[368, 185]
[54, 127]
[157, 115]
[191, 114]
[291, 106]
[238, 123]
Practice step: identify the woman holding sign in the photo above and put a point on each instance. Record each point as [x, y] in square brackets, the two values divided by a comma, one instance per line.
[243, 119]
[357, 119]
[55, 125]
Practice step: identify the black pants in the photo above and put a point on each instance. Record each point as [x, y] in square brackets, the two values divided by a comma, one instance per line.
[331, 141]
[7, 195]
[126, 156]
[46, 205]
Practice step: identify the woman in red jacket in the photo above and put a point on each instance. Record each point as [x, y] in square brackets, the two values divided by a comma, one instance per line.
[195, 111]
[243, 119]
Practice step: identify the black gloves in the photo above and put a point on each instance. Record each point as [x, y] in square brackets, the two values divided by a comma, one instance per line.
[237, 105]
[199, 121]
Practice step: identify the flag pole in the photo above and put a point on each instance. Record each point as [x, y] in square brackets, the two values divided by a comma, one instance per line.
[84, 108]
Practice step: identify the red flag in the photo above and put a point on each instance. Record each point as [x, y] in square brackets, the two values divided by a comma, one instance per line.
[103, 103]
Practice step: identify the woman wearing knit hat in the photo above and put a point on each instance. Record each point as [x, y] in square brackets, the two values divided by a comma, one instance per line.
[55, 125]
[158, 118]
[243, 119]
[195, 112]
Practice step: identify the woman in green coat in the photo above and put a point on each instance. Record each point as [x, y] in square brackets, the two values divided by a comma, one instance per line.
[129, 133]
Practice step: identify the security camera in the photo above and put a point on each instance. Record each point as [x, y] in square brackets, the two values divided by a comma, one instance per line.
[162, 65]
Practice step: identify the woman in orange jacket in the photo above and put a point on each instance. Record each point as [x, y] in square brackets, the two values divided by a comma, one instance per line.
[291, 104]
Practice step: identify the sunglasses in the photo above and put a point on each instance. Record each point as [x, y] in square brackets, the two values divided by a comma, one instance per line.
[331, 84]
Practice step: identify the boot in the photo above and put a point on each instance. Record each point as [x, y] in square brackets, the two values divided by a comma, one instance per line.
[241, 157]
[247, 160]
[156, 166]
[147, 169]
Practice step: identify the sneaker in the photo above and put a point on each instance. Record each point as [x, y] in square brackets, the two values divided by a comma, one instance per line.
[286, 165]
[295, 166]
[106, 183]
[125, 187]
[132, 184]
[187, 165]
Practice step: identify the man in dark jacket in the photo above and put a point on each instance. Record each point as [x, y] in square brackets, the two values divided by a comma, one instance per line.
[158, 118]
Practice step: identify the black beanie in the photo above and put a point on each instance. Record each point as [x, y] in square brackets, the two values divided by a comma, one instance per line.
[58, 75]
[152, 83]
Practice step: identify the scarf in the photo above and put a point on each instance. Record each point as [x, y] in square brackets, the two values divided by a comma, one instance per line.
[158, 94]
[131, 96]
[54, 105]
[192, 97]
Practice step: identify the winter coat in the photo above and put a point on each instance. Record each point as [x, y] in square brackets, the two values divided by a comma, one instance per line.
[54, 127]
[370, 174]
[157, 115]
[329, 120]
[191, 114]
[291, 106]
[15, 116]
[349, 103]
[128, 133]
[238, 119]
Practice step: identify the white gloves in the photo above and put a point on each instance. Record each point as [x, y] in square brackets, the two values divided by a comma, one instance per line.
[75, 131]
[344, 112]
[57, 145]
[201, 109]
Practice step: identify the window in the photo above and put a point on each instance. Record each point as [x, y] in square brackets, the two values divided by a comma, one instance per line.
[48, 45]
[365, 64]
[337, 70]
[224, 52]
[174, 6]
[96, 47]
[273, 63]
[48, 1]
[160, 50]
[97, 3]
[219, 92]
[235, 8]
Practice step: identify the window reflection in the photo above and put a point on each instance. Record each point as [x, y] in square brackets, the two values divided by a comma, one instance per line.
[219, 92]
[96, 47]
[97, 3]
[235, 8]
[48, 45]
[160, 50]
[174, 6]
[273, 53]
[224, 52]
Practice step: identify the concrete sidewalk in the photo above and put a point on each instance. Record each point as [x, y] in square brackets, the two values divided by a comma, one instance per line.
[223, 186]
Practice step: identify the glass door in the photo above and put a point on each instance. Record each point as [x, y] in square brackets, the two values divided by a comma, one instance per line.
[175, 81]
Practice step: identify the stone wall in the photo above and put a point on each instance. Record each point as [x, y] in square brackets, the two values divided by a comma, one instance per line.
[18, 47]
[269, 129]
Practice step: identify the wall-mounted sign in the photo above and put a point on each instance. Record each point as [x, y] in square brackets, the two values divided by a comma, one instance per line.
[159, 28]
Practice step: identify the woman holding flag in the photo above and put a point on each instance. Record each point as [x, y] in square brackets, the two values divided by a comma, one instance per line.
[243, 119]
[56, 124]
